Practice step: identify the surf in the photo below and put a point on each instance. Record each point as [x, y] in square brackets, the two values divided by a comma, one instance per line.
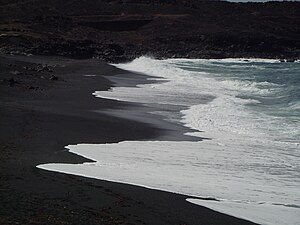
[249, 160]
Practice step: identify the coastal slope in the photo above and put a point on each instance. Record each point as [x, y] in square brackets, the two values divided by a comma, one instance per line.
[117, 31]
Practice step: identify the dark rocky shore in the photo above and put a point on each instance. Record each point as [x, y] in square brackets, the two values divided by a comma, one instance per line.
[119, 30]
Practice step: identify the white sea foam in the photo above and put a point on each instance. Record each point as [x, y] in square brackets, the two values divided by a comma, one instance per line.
[247, 181]
[194, 89]
[230, 60]
[266, 211]
[251, 164]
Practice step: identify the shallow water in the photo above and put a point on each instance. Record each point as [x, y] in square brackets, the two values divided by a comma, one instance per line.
[250, 111]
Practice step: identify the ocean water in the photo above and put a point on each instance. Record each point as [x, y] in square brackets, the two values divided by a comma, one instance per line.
[249, 111]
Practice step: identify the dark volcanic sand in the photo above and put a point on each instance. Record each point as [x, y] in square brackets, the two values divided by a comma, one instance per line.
[43, 111]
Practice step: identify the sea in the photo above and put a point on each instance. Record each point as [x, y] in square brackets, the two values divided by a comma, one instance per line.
[246, 113]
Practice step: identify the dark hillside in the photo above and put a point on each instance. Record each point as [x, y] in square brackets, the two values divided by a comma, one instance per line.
[121, 30]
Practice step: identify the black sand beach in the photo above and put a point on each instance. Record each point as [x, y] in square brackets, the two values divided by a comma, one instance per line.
[47, 103]
[46, 107]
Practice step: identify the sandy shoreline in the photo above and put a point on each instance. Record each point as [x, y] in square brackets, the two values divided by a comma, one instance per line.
[43, 111]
